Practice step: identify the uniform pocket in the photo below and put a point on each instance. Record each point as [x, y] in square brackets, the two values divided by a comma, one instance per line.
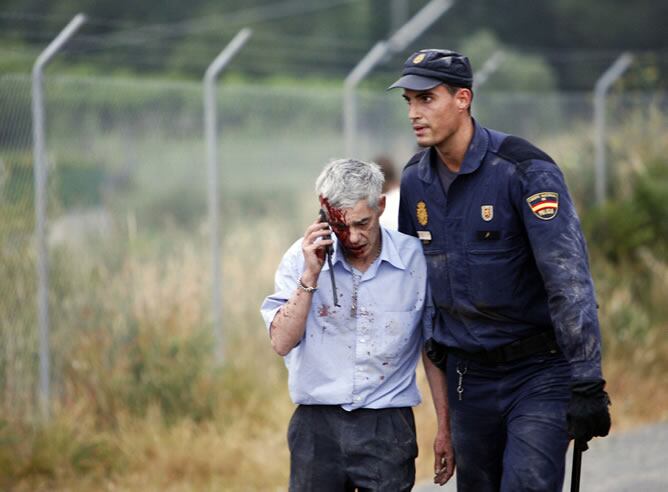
[496, 272]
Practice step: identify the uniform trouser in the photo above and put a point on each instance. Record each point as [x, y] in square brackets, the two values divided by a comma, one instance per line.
[333, 450]
[509, 429]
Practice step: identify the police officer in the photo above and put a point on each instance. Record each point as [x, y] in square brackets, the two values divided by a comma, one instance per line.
[516, 329]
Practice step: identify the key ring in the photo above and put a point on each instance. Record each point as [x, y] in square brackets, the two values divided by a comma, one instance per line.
[462, 368]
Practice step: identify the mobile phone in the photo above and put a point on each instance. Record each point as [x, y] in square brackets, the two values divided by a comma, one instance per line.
[328, 254]
[323, 218]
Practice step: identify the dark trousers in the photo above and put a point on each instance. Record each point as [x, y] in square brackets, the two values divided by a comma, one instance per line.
[509, 429]
[334, 450]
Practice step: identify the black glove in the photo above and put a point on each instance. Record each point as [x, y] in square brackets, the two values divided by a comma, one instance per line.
[437, 353]
[588, 413]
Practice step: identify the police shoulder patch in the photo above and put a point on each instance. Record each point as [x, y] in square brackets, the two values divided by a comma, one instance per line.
[544, 205]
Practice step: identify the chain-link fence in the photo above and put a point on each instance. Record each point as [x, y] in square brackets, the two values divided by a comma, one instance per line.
[127, 176]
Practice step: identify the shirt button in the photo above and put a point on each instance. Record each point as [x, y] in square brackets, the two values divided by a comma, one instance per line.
[358, 398]
[362, 340]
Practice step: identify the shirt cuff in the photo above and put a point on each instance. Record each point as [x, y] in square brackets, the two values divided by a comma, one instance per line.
[585, 370]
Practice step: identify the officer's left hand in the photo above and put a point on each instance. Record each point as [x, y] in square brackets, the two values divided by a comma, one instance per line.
[588, 413]
[444, 458]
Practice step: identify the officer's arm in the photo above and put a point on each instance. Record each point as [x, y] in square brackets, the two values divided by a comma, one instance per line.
[406, 224]
[561, 255]
[559, 248]
[444, 460]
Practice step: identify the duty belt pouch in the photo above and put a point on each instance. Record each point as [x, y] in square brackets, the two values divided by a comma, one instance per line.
[437, 353]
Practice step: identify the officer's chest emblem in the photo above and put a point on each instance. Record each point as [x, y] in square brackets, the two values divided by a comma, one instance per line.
[421, 213]
[544, 205]
[487, 212]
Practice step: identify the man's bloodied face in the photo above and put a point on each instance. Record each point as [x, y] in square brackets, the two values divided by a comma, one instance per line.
[357, 228]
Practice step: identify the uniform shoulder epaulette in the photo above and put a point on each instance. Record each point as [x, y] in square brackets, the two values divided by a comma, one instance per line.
[521, 152]
[415, 159]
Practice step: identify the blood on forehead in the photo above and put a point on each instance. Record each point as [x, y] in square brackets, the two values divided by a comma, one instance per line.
[337, 219]
[334, 214]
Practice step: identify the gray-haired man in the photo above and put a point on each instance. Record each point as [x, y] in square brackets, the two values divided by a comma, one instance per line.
[352, 362]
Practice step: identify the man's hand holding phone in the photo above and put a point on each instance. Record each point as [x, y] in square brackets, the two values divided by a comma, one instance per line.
[317, 241]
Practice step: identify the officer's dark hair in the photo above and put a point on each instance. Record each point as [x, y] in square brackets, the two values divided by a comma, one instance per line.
[453, 90]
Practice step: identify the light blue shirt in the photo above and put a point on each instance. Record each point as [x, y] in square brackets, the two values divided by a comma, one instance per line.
[361, 356]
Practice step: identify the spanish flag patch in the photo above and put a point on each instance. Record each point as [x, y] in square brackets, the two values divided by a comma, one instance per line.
[544, 205]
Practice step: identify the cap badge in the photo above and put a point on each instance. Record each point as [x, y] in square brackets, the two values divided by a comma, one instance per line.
[544, 205]
[421, 213]
[487, 212]
[418, 58]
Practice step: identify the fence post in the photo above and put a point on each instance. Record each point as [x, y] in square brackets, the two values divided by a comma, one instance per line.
[398, 13]
[360, 71]
[41, 175]
[211, 134]
[603, 84]
[419, 23]
[490, 66]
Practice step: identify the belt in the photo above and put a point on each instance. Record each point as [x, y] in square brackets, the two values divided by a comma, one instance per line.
[543, 342]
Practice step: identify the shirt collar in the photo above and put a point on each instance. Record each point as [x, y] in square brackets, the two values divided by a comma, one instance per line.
[472, 160]
[388, 253]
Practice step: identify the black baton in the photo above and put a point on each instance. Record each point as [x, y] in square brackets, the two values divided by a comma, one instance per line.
[579, 446]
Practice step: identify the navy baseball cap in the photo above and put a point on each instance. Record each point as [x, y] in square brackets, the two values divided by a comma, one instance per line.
[425, 69]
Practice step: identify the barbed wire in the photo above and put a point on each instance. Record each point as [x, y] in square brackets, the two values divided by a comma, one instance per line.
[152, 33]
[43, 18]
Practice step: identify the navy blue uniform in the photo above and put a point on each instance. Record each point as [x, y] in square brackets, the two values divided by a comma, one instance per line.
[506, 260]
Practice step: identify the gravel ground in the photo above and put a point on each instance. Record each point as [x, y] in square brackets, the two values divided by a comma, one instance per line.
[633, 461]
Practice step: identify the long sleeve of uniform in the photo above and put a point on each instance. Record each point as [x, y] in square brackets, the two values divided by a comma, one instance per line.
[560, 252]
[406, 210]
[405, 219]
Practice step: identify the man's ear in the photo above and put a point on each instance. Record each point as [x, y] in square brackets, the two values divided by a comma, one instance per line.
[381, 204]
[463, 98]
